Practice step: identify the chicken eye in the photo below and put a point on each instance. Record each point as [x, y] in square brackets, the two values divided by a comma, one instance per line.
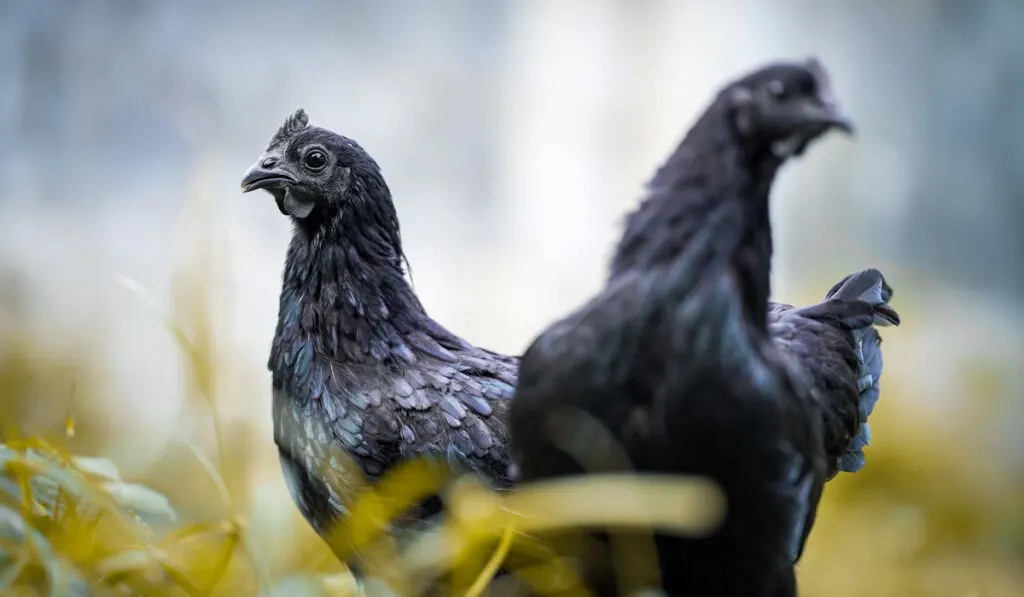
[777, 89]
[315, 160]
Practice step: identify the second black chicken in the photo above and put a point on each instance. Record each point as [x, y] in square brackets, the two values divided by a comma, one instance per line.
[686, 366]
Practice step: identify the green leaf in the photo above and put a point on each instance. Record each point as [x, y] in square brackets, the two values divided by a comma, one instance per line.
[142, 500]
[11, 524]
[44, 490]
[342, 583]
[298, 586]
[101, 467]
[134, 560]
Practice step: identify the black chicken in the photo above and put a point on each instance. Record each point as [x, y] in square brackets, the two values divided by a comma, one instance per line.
[682, 362]
[357, 364]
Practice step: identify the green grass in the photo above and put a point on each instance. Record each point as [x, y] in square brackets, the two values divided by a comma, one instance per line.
[71, 525]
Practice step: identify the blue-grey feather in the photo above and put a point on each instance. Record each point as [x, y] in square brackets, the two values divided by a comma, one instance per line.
[351, 439]
[479, 405]
[452, 407]
[304, 359]
[359, 400]
[402, 388]
[403, 353]
[852, 461]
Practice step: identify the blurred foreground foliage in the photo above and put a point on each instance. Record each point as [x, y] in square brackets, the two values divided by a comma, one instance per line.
[70, 525]
[934, 513]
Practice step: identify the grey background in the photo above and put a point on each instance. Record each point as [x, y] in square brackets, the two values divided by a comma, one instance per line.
[515, 134]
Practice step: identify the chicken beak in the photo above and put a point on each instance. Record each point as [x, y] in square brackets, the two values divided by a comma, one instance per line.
[825, 113]
[825, 109]
[266, 174]
[834, 117]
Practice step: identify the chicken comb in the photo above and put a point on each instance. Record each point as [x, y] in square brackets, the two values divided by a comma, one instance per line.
[294, 123]
[817, 69]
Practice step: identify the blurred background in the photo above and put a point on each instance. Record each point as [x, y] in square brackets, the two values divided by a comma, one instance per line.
[515, 134]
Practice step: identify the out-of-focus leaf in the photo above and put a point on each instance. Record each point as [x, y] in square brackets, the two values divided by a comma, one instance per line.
[141, 500]
[340, 585]
[135, 560]
[480, 584]
[5, 454]
[101, 467]
[12, 526]
[8, 488]
[65, 581]
[306, 586]
[373, 510]
[375, 587]
[922, 519]
[45, 489]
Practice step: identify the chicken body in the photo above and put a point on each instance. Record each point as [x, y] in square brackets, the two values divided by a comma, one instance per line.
[675, 362]
[357, 364]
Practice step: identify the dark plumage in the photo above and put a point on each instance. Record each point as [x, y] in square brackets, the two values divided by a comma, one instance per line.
[835, 347]
[675, 359]
[357, 363]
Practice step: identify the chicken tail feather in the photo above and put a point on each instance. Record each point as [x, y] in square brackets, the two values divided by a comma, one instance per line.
[870, 287]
